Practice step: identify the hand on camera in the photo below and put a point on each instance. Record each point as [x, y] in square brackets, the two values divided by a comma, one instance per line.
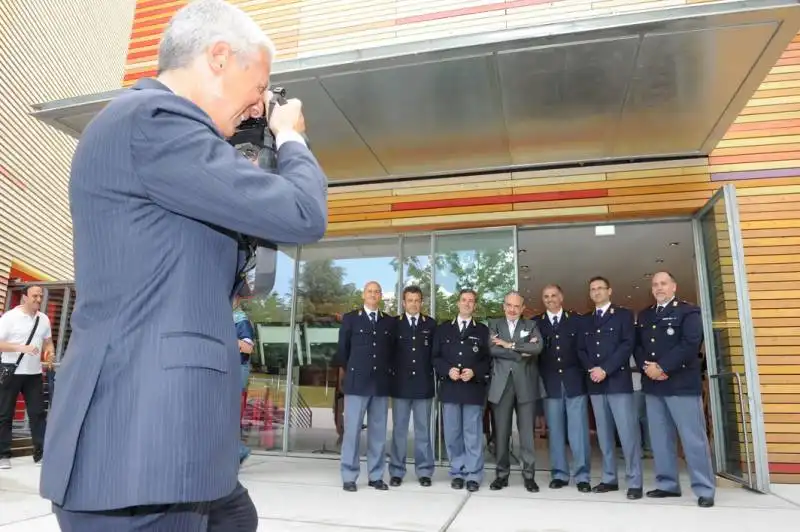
[287, 117]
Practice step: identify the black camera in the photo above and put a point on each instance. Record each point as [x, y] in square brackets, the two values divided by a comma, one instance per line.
[255, 141]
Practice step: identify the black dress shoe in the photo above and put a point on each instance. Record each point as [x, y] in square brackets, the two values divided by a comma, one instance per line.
[584, 487]
[395, 481]
[705, 502]
[472, 486]
[531, 485]
[425, 482]
[557, 484]
[661, 494]
[457, 483]
[605, 488]
[634, 493]
[349, 486]
[498, 484]
[378, 485]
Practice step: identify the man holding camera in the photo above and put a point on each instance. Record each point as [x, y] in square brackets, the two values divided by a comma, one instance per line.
[160, 201]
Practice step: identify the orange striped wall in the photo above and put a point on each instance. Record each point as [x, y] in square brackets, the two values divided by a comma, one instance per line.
[760, 154]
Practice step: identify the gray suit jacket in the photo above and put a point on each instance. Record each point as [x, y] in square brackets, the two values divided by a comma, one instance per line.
[148, 398]
[512, 364]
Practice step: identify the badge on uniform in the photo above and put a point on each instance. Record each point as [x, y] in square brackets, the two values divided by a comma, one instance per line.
[475, 348]
[670, 331]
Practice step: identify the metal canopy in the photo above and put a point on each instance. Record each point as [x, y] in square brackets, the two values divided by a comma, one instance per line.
[660, 83]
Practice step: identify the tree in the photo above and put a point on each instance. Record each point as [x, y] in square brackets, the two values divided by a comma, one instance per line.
[490, 273]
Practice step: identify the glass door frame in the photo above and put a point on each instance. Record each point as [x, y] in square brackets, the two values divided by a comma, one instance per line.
[759, 479]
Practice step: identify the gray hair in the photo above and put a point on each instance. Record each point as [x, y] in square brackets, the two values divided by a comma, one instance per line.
[200, 24]
[514, 293]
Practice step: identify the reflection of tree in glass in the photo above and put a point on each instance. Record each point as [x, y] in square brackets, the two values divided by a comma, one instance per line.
[271, 310]
[323, 294]
[490, 273]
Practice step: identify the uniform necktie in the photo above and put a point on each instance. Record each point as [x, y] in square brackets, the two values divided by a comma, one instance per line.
[463, 326]
[413, 322]
[599, 313]
[555, 322]
[372, 317]
[660, 309]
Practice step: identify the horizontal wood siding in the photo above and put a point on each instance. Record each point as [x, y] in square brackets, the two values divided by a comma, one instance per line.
[307, 28]
[42, 58]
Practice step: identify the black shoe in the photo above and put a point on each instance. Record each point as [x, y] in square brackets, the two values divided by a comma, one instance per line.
[531, 485]
[395, 481]
[705, 502]
[425, 482]
[498, 484]
[557, 484]
[605, 488]
[457, 483]
[634, 493]
[584, 487]
[661, 494]
[472, 486]
[37, 456]
[349, 486]
[378, 485]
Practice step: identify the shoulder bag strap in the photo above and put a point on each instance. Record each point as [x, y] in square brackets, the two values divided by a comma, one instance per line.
[30, 337]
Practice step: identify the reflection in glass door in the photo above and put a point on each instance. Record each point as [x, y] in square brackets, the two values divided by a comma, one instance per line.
[729, 342]
[330, 280]
[485, 261]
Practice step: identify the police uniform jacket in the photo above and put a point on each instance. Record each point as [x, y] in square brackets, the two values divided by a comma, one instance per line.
[467, 350]
[412, 372]
[608, 342]
[365, 353]
[671, 338]
[559, 363]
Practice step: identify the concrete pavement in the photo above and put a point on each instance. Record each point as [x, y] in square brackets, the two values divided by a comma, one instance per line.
[305, 495]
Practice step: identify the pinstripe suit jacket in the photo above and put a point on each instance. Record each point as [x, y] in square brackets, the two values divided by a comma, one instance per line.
[147, 406]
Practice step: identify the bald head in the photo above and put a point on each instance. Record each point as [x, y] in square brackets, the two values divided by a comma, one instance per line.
[664, 287]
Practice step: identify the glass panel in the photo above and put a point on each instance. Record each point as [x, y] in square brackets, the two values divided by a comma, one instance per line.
[331, 282]
[724, 349]
[417, 266]
[483, 261]
[264, 403]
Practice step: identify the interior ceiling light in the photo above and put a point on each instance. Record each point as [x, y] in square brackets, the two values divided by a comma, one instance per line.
[522, 251]
[674, 243]
[648, 275]
[659, 261]
[526, 277]
[604, 230]
[524, 267]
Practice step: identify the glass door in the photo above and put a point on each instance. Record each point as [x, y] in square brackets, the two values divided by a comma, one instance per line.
[729, 344]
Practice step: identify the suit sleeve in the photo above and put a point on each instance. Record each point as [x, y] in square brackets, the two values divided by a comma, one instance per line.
[534, 344]
[343, 350]
[440, 364]
[495, 350]
[583, 351]
[638, 350]
[622, 355]
[483, 366]
[689, 346]
[244, 330]
[187, 168]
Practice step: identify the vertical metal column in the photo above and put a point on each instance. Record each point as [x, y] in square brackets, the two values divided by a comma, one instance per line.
[287, 417]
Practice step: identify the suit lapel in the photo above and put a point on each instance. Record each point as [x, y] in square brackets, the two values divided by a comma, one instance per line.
[606, 316]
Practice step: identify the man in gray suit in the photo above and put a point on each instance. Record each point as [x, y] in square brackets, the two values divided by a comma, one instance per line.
[146, 433]
[516, 342]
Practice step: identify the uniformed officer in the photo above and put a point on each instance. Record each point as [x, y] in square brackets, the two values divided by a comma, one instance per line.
[366, 343]
[668, 343]
[413, 388]
[566, 405]
[605, 349]
[463, 365]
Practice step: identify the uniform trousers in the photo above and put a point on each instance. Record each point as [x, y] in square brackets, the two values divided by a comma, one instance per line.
[681, 414]
[234, 513]
[568, 421]
[618, 410]
[423, 444]
[463, 426]
[377, 411]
